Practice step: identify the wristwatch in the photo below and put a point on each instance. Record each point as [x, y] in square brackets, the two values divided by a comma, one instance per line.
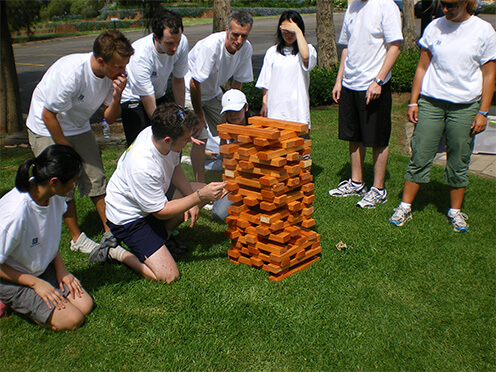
[379, 81]
[484, 113]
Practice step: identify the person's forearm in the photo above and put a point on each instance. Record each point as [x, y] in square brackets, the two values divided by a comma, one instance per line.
[59, 265]
[149, 104]
[302, 47]
[180, 181]
[112, 112]
[53, 126]
[391, 57]
[488, 77]
[178, 90]
[16, 276]
[339, 76]
[195, 92]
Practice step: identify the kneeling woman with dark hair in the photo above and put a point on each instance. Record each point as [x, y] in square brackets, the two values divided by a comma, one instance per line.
[33, 278]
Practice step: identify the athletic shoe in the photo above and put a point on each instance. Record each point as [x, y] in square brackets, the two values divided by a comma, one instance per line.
[209, 206]
[400, 216]
[83, 244]
[459, 222]
[99, 256]
[346, 188]
[372, 198]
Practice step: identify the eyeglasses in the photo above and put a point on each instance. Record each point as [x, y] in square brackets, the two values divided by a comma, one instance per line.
[448, 6]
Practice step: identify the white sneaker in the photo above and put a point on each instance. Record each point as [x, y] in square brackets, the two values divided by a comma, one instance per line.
[84, 244]
[372, 198]
[346, 188]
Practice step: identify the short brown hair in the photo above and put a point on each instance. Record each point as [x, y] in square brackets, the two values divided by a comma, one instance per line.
[110, 42]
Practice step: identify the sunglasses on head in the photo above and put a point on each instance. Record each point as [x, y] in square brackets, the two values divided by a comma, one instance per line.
[445, 4]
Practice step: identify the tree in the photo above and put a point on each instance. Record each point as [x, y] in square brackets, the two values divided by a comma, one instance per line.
[326, 38]
[10, 97]
[221, 10]
[409, 34]
[21, 14]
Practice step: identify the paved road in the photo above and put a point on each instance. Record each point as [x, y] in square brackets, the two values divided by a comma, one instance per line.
[33, 59]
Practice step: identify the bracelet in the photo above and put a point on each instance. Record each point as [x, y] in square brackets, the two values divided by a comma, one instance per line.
[199, 195]
[483, 113]
[412, 104]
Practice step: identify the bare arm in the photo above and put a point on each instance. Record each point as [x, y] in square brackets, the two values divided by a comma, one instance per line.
[178, 90]
[336, 91]
[374, 90]
[195, 91]
[112, 111]
[65, 277]
[300, 40]
[149, 104]
[53, 126]
[488, 76]
[263, 110]
[424, 62]
[45, 290]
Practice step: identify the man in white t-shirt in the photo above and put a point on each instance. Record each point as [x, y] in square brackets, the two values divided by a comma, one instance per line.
[212, 62]
[371, 35]
[158, 56]
[72, 89]
[140, 210]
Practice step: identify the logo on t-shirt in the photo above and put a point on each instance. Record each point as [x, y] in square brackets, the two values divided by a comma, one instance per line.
[34, 242]
[81, 97]
[154, 73]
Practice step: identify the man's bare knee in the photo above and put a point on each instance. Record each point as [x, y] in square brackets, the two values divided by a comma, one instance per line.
[168, 276]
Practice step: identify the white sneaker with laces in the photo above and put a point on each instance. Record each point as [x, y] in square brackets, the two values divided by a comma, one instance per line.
[400, 216]
[346, 188]
[83, 244]
[372, 198]
[458, 220]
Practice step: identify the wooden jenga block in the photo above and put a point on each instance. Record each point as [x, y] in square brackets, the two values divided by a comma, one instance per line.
[281, 237]
[242, 223]
[236, 209]
[245, 165]
[294, 269]
[236, 198]
[307, 212]
[308, 223]
[250, 130]
[293, 156]
[231, 186]
[243, 138]
[308, 188]
[280, 124]
[229, 162]
[308, 199]
[250, 201]
[229, 148]
[263, 230]
[276, 162]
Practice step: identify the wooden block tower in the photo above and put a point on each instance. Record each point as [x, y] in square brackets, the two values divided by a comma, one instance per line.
[269, 180]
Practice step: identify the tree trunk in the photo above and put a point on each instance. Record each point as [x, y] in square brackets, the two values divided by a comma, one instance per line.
[409, 33]
[326, 38]
[10, 96]
[221, 10]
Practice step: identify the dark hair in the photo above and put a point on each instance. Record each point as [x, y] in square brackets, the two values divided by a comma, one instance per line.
[171, 120]
[110, 42]
[58, 161]
[296, 18]
[241, 17]
[165, 18]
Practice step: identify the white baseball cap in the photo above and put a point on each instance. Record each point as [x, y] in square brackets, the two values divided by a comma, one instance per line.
[233, 100]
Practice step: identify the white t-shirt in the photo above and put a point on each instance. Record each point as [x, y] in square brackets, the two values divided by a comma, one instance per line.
[368, 27]
[138, 185]
[287, 81]
[148, 70]
[212, 65]
[70, 89]
[458, 49]
[30, 233]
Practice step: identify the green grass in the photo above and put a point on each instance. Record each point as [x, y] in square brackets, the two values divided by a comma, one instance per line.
[419, 297]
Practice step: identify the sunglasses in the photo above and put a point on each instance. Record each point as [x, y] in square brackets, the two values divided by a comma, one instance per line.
[449, 6]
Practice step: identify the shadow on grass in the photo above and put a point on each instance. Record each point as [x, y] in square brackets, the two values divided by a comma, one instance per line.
[96, 276]
[433, 193]
[206, 239]
[91, 223]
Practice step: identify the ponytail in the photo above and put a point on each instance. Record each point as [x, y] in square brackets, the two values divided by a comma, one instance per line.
[56, 161]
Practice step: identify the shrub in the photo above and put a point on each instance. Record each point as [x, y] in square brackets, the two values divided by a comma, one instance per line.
[253, 96]
[489, 8]
[404, 70]
[322, 81]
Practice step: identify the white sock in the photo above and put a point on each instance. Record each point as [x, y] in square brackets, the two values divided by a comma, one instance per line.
[452, 212]
[117, 253]
[356, 184]
[406, 206]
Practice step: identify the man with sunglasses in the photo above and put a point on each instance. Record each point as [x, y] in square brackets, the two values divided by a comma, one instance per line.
[142, 208]
[371, 35]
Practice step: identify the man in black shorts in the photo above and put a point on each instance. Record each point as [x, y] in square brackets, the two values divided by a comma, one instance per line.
[363, 91]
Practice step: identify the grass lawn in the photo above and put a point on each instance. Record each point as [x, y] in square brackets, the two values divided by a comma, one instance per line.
[419, 297]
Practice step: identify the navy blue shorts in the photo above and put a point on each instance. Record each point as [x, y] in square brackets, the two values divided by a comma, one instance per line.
[144, 236]
[369, 124]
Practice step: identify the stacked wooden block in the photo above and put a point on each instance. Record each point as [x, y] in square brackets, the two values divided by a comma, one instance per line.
[269, 180]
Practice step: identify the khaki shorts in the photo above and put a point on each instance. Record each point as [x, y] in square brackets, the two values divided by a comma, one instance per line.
[213, 117]
[92, 181]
